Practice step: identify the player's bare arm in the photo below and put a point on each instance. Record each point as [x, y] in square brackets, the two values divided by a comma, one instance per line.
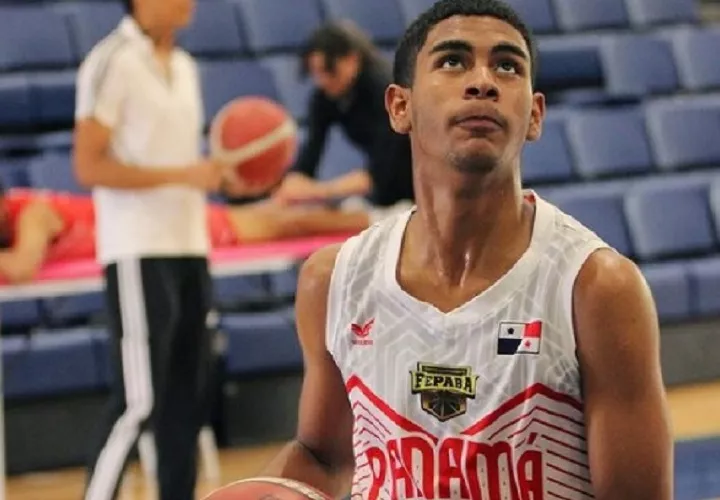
[95, 167]
[321, 455]
[37, 225]
[629, 437]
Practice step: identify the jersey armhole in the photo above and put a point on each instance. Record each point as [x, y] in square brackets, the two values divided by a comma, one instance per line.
[568, 286]
[336, 292]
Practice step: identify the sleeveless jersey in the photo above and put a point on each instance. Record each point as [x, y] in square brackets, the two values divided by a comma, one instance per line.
[483, 402]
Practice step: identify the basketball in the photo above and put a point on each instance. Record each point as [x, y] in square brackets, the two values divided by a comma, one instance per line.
[267, 487]
[256, 137]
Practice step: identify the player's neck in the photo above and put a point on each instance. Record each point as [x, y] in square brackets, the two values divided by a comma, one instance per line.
[163, 39]
[469, 227]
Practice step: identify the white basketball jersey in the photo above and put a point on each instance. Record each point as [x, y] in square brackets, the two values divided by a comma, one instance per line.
[483, 402]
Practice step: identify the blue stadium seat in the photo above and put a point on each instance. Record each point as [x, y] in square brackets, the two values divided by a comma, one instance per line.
[697, 468]
[649, 13]
[380, 19]
[294, 91]
[270, 25]
[60, 140]
[599, 207]
[609, 141]
[15, 101]
[684, 133]
[214, 31]
[20, 314]
[51, 362]
[637, 65]
[232, 292]
[715, 202]
[284, 284]
[90, 21]
[584, 15]
[411, 9]
[705, 283]
[569, 61]
[53, 171]
[696, 58]
[670, 287]
[548, 159]
[53, 95]
[74, 308]
[14, 352]
[226, 80]
[538, 14]
[261, 342]
[13, 173]
[33, 36]
[669, 217]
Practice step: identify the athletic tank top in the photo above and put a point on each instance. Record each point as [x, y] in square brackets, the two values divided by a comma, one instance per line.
[483, 402]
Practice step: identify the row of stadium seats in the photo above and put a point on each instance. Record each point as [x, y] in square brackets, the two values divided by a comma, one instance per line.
[63, 361]
[578, 143]
[232, 293]
[615, 67]
[65, 31]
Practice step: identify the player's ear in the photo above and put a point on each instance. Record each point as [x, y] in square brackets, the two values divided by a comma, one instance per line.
[397, 104]
[537, 116]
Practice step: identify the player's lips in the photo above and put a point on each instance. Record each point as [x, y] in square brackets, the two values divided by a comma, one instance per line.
[488, 118]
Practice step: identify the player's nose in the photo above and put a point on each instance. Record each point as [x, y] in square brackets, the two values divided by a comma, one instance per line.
[481, 85]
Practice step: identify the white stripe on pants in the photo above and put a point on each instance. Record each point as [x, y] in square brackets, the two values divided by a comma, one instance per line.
[137, 376]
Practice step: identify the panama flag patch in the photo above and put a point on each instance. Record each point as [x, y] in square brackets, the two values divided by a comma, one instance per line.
[519, 338]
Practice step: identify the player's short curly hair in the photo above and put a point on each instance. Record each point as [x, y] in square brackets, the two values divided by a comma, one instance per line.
[416, 34]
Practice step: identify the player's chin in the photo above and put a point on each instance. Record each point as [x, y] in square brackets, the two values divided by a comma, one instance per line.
[479, 161]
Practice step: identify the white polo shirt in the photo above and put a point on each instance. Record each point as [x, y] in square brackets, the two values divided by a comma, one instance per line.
[156, 123]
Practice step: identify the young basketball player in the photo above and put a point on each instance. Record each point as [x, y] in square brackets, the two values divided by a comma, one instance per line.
[485, 344]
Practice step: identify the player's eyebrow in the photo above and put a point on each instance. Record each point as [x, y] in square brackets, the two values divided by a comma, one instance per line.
[451, 45]
[511, 48]
[463, 46]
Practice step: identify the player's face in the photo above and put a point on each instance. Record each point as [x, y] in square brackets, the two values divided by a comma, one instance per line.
[165, 14]
[471, 103]
[336, 81]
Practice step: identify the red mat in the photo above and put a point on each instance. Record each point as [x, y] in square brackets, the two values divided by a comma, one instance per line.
[291, 249]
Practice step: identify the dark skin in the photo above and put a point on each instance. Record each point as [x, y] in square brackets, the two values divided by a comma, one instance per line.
[469, 111]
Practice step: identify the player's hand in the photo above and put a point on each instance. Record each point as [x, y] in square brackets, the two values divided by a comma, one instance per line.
[235, 186]
[207, 175]
[299, 188]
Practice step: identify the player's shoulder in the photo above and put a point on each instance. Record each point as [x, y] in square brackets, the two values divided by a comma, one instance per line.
[607, 275]
[316, 271]
[111, 52]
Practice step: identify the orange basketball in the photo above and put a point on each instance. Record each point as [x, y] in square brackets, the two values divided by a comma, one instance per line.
[257, 488]
[257, 137]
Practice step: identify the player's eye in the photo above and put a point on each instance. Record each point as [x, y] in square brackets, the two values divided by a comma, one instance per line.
[508, 66]
[450, 61]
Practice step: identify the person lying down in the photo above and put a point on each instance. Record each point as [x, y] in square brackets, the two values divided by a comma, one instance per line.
[41, 227]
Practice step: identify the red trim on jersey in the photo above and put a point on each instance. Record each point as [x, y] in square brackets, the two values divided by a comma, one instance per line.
[354, 382]
[519, 399]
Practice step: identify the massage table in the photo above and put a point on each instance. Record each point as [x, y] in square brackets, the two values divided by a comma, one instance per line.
[73, 278]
